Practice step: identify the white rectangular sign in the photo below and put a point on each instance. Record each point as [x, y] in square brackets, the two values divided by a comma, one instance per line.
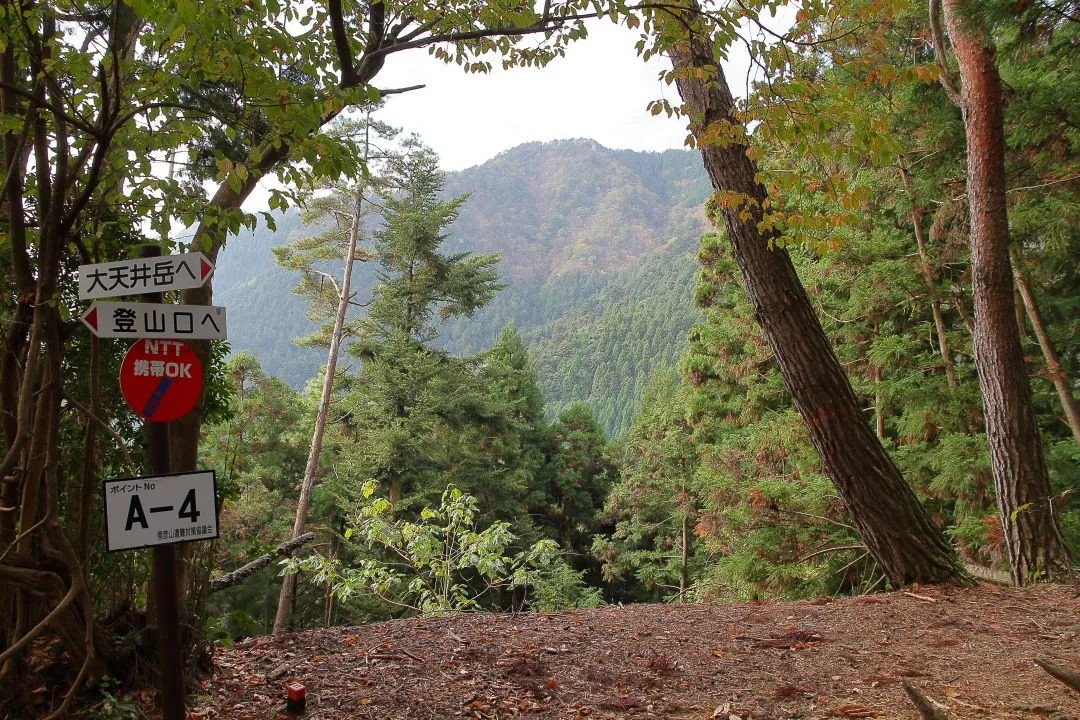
[160, 510]
[143, 275]
[108, 319]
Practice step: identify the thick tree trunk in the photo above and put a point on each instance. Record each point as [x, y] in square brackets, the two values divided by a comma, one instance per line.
[1032, 533]
[1054, 371]
[893, 525]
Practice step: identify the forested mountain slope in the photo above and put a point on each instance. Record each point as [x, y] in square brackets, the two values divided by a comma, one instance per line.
[598, 254]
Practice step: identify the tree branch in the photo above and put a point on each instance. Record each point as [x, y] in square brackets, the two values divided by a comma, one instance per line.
[922, 704]
[242, 573]
[948, 81]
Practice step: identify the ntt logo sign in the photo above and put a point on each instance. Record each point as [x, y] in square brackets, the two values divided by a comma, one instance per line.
[161, 379]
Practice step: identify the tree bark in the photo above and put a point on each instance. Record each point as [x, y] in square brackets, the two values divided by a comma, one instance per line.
[242, 573]
[893, 525]
[1055, 372]
[1032, 533]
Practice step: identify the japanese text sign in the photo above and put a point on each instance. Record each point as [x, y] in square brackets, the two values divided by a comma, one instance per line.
[135, 277]
[108, 319]
[160, 510]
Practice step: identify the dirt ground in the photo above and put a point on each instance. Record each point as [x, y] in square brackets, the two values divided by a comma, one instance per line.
[970, 652]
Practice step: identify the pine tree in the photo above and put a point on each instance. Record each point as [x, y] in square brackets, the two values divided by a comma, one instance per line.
[407, 393]
[896, 529]
[344, 209]
[1031, 528]
[570, 490]
[655, 504]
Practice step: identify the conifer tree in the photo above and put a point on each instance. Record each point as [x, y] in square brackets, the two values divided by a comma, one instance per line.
[344, 209]
[896, 529]
[654, 504]
[502, 449]
[569, 492]
[407, 392]
[1030, 525]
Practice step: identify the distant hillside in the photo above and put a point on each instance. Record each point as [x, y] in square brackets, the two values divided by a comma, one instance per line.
[598, 250]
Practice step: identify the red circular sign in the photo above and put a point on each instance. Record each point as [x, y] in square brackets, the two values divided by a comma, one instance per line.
[161, 379]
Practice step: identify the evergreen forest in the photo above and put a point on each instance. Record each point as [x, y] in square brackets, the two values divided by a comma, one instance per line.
[829, 348]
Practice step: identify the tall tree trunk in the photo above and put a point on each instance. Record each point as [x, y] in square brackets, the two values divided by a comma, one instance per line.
[1055, 373]
[895, 528]
[1032, 533]
[89, 454]
[288, 582]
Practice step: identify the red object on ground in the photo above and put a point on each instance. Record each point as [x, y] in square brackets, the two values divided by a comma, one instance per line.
[295, 697]
[161, 379]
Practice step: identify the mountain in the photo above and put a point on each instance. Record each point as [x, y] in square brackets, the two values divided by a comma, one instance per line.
[598, 252]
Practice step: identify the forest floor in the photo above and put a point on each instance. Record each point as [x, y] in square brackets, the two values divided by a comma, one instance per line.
[969, 651]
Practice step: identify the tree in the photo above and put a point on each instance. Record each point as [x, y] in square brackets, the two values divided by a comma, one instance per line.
[1033, 538]
[768, 516]
[258, 453]
[654, 502]
[407, 391]
[347, 227]
[568, 493]
[497, 456]
[897, 531]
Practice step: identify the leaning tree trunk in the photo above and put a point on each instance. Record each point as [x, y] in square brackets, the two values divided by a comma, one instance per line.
[1032, 533]
[893, 525]
[931, 284]
[1055, 372]
[288, 581]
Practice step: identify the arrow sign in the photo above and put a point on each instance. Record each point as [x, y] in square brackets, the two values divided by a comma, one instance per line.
[108, 319]
[143, 275]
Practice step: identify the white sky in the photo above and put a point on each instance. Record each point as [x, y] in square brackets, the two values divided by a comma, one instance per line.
[598, 91]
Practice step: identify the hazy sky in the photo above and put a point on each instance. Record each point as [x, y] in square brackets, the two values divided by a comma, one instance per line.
[599, 91]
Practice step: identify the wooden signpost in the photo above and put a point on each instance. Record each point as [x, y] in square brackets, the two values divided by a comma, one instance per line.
[161, 380]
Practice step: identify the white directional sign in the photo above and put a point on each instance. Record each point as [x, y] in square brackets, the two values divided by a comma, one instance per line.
[160, 510]
[108, 319]
[146, 275]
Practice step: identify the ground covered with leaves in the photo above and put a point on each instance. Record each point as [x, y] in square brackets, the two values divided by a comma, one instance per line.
[970, 652]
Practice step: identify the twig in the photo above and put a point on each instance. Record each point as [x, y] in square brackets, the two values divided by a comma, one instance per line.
[105, 426]
[838, 548]
[924, 598]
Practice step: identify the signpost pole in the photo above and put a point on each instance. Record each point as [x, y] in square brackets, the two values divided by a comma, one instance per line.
[166, 591]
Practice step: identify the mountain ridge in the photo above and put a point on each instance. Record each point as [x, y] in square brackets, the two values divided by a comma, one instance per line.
[581, 228]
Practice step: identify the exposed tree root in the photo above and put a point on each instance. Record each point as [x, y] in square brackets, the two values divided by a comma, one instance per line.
[923, 704]
[1065, 675]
